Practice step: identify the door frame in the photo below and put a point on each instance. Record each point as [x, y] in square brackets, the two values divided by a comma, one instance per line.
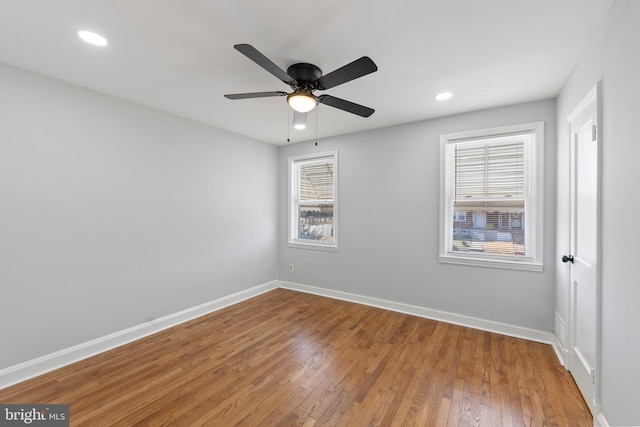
[594, 95]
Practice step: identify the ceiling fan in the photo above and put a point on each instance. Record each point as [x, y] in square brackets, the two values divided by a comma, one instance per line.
[305, 78]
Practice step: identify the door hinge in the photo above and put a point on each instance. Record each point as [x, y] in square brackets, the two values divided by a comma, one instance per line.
[594, 132]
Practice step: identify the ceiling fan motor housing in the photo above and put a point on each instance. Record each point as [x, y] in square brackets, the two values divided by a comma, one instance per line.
[304, 73]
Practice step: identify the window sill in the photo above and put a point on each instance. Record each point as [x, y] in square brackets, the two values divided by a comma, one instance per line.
[525, 264]
[313, 246]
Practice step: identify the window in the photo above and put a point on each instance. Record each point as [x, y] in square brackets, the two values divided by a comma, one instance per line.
[313, 201]
[491, 197]
[459, 216]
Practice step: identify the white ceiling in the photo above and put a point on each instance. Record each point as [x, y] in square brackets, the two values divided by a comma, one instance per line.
[178, 56]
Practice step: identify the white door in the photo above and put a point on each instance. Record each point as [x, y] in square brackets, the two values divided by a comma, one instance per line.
[584, 300]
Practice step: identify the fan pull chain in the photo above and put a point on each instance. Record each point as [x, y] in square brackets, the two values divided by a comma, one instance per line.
[288, 126]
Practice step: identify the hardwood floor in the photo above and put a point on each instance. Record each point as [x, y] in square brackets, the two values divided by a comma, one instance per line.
[291, 359]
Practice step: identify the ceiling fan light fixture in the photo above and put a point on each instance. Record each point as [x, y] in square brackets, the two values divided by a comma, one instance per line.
[302, 101]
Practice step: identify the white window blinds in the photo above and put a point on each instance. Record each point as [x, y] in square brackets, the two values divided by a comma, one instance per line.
[490, 169]
[316, 180]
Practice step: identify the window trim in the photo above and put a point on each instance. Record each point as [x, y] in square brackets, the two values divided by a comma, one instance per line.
[534, 214]
[292, 240]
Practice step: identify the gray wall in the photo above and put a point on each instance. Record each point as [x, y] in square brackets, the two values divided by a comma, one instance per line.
[388, 224]
[113, 214]
[614, 59]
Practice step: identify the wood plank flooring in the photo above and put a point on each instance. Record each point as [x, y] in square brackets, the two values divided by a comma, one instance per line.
[286, 358]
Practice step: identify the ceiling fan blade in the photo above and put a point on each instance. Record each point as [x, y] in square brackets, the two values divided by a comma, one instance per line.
[253, 54]
[358, 68]
[348, 106]
[254, 95]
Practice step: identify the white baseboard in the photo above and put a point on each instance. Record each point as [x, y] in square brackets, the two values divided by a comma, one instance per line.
[456, 319]
[559, 344]
[600, 421]
[559, 350]
[32, 368]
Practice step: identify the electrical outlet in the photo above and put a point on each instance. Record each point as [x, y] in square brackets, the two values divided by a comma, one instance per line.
[290, 268]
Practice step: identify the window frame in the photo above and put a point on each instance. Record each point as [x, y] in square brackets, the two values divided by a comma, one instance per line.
[293, 202]
[534, 208]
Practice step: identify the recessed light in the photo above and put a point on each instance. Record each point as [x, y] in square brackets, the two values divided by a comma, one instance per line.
[443, 96]
[92, 38]
[299, 120]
